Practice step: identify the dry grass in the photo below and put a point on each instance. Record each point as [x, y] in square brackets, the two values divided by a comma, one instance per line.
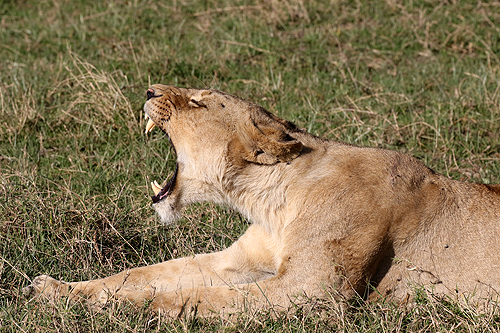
[92, 97]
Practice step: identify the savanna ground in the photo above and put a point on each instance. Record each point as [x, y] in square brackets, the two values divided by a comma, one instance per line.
[421, 77]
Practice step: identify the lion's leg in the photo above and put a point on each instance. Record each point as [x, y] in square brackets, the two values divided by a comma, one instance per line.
[276, 293]
[298, 279]
[305, 269]
[251, 258]
[223, 299]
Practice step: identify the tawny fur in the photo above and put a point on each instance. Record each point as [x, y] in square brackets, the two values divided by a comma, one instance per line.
[326, 216]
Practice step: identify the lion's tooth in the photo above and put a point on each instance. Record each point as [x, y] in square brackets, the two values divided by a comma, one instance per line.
[156, 188]
[150, 125]
[146, 116]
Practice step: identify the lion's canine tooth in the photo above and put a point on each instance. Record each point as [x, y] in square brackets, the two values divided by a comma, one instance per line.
[146, 116]
[150, 125]
[156, 188]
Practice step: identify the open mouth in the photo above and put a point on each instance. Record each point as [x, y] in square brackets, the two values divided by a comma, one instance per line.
[161, 192]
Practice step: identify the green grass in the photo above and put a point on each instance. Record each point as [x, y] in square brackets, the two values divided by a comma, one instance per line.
[421, 77]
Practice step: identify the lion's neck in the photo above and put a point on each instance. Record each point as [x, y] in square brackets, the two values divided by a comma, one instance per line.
[259, 193]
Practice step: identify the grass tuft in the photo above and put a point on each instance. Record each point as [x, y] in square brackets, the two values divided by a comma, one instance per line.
[92, 97]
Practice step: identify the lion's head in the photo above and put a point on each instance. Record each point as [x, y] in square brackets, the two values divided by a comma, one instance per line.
[213, 134]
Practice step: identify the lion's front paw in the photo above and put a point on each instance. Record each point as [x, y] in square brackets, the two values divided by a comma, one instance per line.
[46, 286]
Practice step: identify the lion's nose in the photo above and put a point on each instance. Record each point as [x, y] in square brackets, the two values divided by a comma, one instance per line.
[150, 93]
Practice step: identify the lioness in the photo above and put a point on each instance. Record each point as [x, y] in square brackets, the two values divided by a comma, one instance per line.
[326, 216]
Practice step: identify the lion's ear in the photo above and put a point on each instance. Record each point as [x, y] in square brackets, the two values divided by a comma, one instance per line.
[268, 143]
[196, 100]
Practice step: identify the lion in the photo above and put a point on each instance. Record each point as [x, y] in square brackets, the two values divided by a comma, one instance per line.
[327, 218]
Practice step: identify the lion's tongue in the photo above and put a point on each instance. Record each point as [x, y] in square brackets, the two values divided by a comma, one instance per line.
[161, 193]
[149, 127]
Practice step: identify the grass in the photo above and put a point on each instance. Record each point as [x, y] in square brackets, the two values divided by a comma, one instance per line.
[421, 77]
